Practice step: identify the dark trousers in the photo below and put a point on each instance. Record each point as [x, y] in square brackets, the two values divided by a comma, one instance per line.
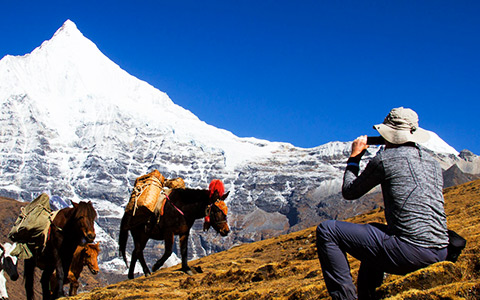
[377, 251]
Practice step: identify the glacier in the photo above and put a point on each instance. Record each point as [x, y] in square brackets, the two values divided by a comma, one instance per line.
[75, 125]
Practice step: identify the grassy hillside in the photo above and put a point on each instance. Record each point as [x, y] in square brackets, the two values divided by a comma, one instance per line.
[286, 267]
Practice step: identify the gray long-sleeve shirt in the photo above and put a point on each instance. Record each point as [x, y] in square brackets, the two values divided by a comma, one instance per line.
[412, 186]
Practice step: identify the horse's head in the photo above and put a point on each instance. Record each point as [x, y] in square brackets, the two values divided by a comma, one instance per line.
[84, 218]
[90, 257]
[8, 262]
[216, 214]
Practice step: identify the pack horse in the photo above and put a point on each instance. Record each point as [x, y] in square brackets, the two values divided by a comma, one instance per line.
[180, 210]
[70, 228]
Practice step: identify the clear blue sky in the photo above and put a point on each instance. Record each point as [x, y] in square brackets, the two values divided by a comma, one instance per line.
[303, 72]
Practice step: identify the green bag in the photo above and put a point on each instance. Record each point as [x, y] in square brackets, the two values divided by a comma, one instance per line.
[22, 251]
[31, 227]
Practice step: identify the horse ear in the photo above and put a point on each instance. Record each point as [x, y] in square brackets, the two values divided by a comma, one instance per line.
[96, 246]
[214, 197]
[74, 204]
[225, 196]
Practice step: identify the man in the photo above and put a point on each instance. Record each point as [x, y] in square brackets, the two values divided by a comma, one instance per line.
[416, 232]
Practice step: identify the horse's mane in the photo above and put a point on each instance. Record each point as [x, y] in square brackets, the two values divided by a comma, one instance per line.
[216, 185]
[189, 195]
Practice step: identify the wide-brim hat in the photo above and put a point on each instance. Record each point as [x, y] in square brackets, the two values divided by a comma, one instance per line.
[401, 126]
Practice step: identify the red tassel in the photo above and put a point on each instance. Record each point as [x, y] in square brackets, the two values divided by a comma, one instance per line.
[207, 219]
[216, 185]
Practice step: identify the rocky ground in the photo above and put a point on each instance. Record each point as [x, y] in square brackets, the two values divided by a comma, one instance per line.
[286, 267]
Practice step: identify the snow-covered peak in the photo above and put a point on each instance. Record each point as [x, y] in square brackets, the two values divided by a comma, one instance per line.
[436, 144]
[68, 28]
[76, 84]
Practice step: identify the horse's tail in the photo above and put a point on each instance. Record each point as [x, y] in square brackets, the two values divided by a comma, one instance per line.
[123, 237]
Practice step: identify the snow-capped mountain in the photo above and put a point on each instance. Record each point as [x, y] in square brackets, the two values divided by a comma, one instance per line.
[75, 125]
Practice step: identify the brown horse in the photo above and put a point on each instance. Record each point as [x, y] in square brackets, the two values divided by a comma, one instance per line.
[84, 255]
[71, 227]
[181, 210]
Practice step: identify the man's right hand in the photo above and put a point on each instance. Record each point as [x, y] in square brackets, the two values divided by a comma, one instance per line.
[359, 146]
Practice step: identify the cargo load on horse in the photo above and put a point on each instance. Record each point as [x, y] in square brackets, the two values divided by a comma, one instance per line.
[170, 184]
[148, 197]
[30, 230]
[175, 183]
[145, 194]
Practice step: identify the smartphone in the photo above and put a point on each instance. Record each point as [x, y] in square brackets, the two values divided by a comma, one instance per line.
[375, 140]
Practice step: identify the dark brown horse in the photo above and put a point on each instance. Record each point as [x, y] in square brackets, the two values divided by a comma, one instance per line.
[71, 227]
[181, 210]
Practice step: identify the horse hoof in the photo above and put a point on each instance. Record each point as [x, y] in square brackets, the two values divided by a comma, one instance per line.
[198, 269]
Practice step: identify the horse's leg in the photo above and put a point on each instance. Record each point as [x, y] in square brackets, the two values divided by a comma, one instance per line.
[73, 287]
[58, 292]
[140, 240]
[73, 283]
[141, 259]
[184, 252]
[29, 272]
[169, 238]
[45, 281]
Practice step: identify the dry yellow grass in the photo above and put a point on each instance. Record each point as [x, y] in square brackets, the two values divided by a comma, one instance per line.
[286, 267]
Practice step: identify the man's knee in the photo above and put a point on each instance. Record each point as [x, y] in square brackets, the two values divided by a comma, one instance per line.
[324, 230]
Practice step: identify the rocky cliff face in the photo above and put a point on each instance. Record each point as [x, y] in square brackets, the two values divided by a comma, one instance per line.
[74, 125]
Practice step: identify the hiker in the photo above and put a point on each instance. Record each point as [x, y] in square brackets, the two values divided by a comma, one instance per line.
[416, 232]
